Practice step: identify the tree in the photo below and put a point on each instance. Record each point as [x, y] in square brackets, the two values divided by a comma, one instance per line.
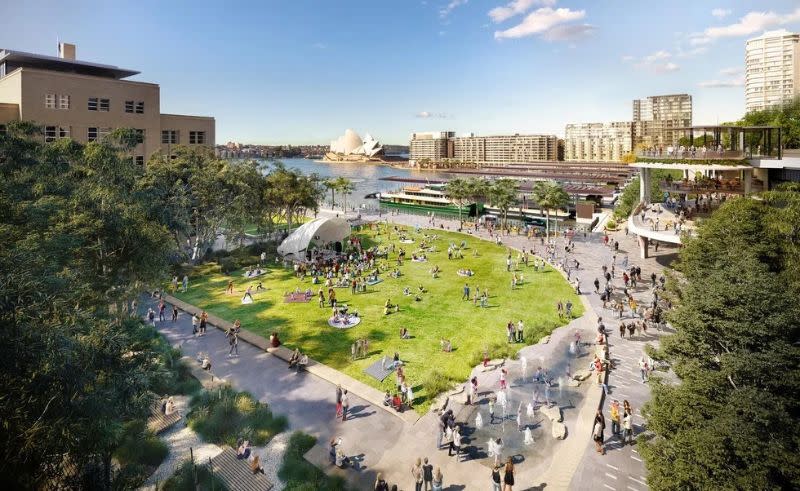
[331, 185]
[503, 195]
[549, 195]
[291, 193]
[457, 190]
[786, 117]
[346, 187]
[80, 238]
[731, 421]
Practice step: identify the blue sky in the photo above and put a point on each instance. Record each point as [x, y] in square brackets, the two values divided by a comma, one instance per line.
[302, 71]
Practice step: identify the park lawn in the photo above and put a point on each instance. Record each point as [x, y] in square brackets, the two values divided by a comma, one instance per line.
[440, 314]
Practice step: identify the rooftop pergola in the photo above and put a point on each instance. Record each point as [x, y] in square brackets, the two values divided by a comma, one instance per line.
[724, 142]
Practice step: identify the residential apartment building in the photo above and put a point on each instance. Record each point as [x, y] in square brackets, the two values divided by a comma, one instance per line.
[657, 120]
[433, 145]
[483, 150]
[772, 70]
[86, 101]
[598, 142]
[505, 149]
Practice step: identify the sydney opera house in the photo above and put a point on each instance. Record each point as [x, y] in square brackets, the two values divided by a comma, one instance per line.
[351, 148]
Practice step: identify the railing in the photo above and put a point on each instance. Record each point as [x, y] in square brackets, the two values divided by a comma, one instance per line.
[696, 154]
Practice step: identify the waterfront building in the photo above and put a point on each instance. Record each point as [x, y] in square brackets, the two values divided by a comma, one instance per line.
[505, 149]
[598, 142]
[483, 150]
[85, 101]
[658, 120]
[772, 69]
[432, 145]
[352, 148]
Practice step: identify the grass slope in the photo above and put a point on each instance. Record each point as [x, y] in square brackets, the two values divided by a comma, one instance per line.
[440, 314]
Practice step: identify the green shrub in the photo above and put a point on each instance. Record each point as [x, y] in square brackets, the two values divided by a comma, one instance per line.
[228, 264]
[299, 474]
[497, 349]
[437, 382]
[139, 447]
[224, 415]
[183, 479]
[611, 225]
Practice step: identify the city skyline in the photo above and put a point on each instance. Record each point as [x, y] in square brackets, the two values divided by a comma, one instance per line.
[296, 74]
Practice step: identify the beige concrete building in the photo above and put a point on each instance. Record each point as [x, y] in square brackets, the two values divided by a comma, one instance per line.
[433, 145]
[505, 149]
[772, 70]
[657, 119]
[598, 142]
[483, 150]
[85, 101]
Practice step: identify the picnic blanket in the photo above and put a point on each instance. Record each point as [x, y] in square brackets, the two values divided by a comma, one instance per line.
[296, 298]
[374, 282]
[376, 371]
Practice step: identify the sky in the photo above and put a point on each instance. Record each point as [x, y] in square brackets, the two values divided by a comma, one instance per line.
[302, 71]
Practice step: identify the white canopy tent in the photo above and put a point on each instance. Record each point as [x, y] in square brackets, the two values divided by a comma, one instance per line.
[320, 232]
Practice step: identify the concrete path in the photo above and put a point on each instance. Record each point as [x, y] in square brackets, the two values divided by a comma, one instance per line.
[380, 441]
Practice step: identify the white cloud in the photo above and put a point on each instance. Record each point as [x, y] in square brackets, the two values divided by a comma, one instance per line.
[721, 13]
[430, 115]
[658, 62]
[540, 21]
[732, 71]
[568, 32]
[516, 7]
[721, 84]
[454, 4]
[751, 23]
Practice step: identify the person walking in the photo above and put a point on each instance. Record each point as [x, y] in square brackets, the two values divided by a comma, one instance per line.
[233, 342]
[174, 284]
[151, 316]
[455, 443]
[203, 322]
[195, 323]
[427, 475]
[161, 308]
[185, 283]
[520, 334]
[496, 482]
[508, 476]
[338, 401]
[380, 484]
[643, 368]
[345, 405]
[440, 434]
[627, 428]
[465, 294]
[174, 313]
[416, 472]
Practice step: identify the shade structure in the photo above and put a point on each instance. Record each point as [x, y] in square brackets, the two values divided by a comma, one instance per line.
[319, 232]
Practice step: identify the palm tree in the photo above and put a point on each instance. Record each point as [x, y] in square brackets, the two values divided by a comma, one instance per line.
[458, 192]
[549, 195]
[503, 194]
[332, 186]
[346, 187]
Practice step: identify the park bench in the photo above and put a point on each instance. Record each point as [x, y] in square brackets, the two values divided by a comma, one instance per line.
[159, 422]
[236, 473]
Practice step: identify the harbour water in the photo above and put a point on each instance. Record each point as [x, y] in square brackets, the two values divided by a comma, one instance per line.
[366, 177]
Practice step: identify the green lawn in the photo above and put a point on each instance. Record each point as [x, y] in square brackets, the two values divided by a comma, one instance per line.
[440, 314]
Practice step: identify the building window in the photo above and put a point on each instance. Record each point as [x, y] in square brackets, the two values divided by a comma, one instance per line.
[169, 137]
[140, 107]
[197, 137]
[50, 133]
[2, 130]
[63, 101]
[139, 136]
[105, 105]
[63, 132]
[50, 101]
[92, 104]
[96, 133]
[139, 160]
[128, 106]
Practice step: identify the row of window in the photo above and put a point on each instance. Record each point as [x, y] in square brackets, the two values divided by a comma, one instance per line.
[62, 101]
[94, 133]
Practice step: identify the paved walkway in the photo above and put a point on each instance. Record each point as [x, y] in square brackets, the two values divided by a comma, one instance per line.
[379, 440]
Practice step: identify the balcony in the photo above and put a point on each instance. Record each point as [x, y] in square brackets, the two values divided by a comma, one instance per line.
[717, 143]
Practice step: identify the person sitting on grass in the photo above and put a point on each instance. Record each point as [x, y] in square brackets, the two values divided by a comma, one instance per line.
[294, 359]
[206, 363]
[446, 346]
[406, 291]
[421, 289]
[404, 334]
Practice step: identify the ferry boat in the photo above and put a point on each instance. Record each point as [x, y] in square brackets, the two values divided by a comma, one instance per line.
[426, 198]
